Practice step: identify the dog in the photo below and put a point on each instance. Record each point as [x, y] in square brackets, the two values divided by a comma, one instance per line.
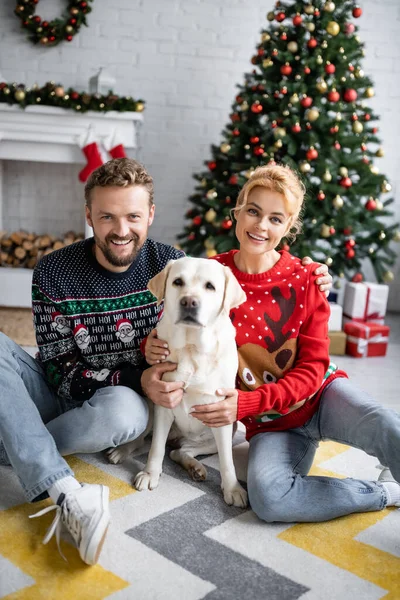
[198, 296]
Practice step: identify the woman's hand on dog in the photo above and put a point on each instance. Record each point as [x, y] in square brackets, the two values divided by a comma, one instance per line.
[164, 393]
[220, 413]
[156, 351]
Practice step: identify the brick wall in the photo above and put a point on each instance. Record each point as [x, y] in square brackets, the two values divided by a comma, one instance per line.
[184, 57]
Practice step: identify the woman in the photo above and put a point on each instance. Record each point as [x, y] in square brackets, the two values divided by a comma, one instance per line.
[289, 396]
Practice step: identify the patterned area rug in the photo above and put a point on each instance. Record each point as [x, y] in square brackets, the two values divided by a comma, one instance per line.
[17, 324]
[182, 542]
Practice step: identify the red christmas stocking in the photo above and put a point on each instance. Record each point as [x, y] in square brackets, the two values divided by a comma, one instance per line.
[118, 151]
[94, 160]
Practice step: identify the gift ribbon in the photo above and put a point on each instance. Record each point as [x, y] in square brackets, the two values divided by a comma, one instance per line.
[367, 316]
[362, 344]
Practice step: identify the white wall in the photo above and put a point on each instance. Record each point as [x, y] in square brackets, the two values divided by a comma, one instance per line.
[184, 57]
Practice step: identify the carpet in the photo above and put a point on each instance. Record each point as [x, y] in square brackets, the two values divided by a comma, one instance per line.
[182, 542]
[17, 324]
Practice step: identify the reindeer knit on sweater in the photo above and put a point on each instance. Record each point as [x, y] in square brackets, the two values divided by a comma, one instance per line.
[283, 345]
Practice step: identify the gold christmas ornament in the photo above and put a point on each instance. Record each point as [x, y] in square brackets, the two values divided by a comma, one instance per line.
[359, 72]
[382, 235]
[225, 147]
[278, 144]
[338, 202]
[324, 44]
[357, 127]
[248, 173]
[59, 91]
[309, 9]
[319, 60]
[19, 95]
[321, 86]
[310, 27]
[279, 132]
[293, 47]
[305, 167]
[369, 92]
[211, 194]
[314, 221]
[271, 16]
[385, 187]
[203, 182]
[380, 152]
[325, 231]
[371, 249]
[374, 169]
[312, 114]
[211, 253]
[267, 62]
[329, 261]
[379, 205]
[333, 28]
[388, 277]
[343, 171]
[244, 106]
[210, 215]
[294, 98]
[327, 176]
[396, 236]
[329, 6]
[139, 106]
[265, 37]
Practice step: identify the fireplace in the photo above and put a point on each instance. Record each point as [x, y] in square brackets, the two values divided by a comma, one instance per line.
[52, 135]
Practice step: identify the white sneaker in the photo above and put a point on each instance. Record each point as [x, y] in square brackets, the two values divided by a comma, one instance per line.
[85, 514]
[385, 474]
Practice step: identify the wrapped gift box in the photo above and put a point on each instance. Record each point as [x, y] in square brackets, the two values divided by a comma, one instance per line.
[365, 302]
[338, 343]
[335, 319]
[366, 339]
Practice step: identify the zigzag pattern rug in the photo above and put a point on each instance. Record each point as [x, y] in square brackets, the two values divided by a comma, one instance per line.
[182, 542]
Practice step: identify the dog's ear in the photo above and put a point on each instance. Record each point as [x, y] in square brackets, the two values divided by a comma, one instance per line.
[234, 295]
[157, 284]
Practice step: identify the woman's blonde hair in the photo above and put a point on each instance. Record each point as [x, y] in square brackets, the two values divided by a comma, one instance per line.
[119, 172]
[285, 181]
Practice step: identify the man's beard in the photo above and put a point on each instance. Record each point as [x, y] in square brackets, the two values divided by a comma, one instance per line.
[113, 259]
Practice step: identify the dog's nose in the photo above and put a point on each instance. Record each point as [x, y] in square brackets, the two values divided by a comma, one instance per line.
[189, 302]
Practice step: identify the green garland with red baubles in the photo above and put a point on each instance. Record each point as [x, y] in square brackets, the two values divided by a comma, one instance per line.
[51, 33]
[52, 94]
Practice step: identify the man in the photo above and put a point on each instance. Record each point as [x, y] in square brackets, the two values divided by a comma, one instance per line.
[85, 391]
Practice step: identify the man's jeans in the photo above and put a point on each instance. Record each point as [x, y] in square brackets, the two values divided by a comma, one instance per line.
[34, 432]
[278, 485]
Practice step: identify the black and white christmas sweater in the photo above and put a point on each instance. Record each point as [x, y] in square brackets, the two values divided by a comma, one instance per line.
[89, 321]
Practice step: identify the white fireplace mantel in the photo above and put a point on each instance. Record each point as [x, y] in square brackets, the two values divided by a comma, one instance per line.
[56, 135]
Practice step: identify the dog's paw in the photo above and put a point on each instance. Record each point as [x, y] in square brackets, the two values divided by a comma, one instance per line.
[146, 481]
[236, 496]
[197, 471]
[120, 453]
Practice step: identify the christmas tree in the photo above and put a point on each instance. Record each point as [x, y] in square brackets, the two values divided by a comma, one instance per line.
[305, 103]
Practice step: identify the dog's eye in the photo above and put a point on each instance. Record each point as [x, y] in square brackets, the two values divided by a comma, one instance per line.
[178, 282]
[248, 377]
[209, 286]
[268, 377]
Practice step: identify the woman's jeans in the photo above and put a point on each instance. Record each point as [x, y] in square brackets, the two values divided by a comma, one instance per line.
[34, 432]
[278, 485]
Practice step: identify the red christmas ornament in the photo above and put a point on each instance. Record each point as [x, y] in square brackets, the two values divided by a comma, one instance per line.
[357, 278]
[375, 130]
[316, 12]
[233, 179]
[297, 20]
[258, 151]
[330, 68]
[332, 230]
[239, 99]
[286, 69]
[280, 17]
[370, 204]
[349, 95]
[306, 101]
[260, 52]
[45, 24]
[254, 139]
[357, 12]
[312, 154]
[235, 117]
[51, 38]
[336, 145]
[312, 43]
[228, 200]
[2, 85]
[276, 94]
[284, 37]
[321, 196]
[307, 70]
[284, 90]
[191, 237]
[354, 117]
[212, 165]
[347, 230]
[363, 147]
[74, 95]
[256, 107]
[333, 96]
[197, 220]
[296, 128]
[346, 182]
[37, 19]
[226, 224]
[274, 52]
[365, 160]
[72, 21]
[69, 38]
[349, 28]
[350, 243]
[308, 126]
[236, 132]
[350, 253]
[334, 129]
[367, 117]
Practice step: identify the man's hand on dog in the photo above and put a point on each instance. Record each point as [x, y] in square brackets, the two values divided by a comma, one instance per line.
[164, 393]
[325, 282]
[156, 351]
[220, 413]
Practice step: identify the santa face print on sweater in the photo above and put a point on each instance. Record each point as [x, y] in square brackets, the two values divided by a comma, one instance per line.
[82, 337]
[60, 324]
[125, 331]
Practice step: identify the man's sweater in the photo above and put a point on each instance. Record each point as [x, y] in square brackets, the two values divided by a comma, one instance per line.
[89, 321]
[283, 345]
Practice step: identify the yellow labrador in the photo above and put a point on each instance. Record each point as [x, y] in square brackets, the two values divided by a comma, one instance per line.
[198, 295]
